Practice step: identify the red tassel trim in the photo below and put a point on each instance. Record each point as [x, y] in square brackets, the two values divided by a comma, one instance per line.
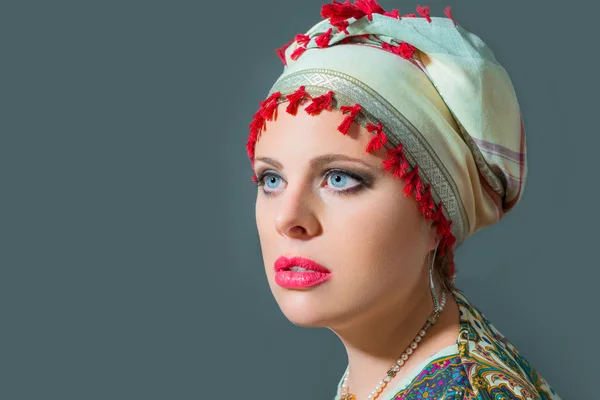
[448, 13]
[341, 24]
[395, 162]
[393, 14]
[302, 39]
[369, 7]
[398, 165]
[409, 16]
[254, 178]
[426, 204]
[424, 11]
[295, 99]
[320, 103]
[411, 179]
[281, 51]
[353, 110]
[298, 52]
[404, 50]
[378, 140]
[341, 10]
[269, 105]
[323, 39]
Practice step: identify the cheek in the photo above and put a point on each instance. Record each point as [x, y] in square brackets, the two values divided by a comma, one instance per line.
[383, 232]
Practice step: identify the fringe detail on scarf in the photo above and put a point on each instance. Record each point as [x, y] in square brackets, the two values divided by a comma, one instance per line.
[341, 10]
[393, 14]
[378, 140]
[295, 99]
[323, 39]
[320, 103]
[424, 11]
[353, 110]
[281, 51]
[298, 52]
[369, 7]
[448, 12]
[269, 106]
[404, 50]
[302, 39]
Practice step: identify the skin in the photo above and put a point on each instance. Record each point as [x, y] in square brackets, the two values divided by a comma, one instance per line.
[374, 241]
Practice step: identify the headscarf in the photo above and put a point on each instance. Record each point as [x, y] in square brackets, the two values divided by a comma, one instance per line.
[429, 91]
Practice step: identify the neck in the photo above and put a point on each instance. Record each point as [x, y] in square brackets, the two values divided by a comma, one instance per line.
[375, 341]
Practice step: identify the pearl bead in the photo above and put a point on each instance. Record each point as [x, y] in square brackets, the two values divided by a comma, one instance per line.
[414, 345]
[387, 379]
[377, 387]
[418, 339]
[400, 362]
[379, 390]
[396, 368]
[422, 333]
[370, 397]
[409, 351]
[404, 356]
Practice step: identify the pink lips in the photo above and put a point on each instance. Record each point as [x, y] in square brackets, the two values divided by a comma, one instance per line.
[299, 279]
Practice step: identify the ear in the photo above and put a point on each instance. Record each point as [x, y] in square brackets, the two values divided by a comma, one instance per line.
[433, 238]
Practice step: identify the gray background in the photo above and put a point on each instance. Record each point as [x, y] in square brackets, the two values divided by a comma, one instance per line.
[131, 266]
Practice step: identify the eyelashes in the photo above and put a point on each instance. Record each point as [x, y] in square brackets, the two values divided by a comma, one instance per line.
[270, 183]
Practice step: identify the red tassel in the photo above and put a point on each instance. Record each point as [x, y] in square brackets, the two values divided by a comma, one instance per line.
[353, 110]
[411, 179]
[323, 39]
[395, 162]
[341, 24]
[302, 39]
[341, 10]
[298, 52]
[254, 178]
[320, 103]
[448, 13]
[404, 50]
[269, 106]
[393, 14]
[295, 100]
[426, 204]
[281, 51]
[378, 140]
[369, 7]
[424, 11]
[409, 16]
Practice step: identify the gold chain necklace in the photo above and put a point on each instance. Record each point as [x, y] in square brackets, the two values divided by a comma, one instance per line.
[344, 393]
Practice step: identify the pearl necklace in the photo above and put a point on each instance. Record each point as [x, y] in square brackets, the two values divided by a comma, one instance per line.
[344, 395]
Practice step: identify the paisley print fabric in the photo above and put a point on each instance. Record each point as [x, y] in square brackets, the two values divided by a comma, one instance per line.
[485, 366]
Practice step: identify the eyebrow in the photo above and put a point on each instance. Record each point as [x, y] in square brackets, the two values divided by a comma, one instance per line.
[318, 161]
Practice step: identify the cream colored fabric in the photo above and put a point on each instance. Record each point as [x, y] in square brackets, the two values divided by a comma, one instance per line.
[453, 106]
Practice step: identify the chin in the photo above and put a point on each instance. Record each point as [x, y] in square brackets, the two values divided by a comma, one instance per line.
[303, 308]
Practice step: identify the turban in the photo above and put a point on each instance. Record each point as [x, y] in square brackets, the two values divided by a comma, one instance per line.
[429, 91]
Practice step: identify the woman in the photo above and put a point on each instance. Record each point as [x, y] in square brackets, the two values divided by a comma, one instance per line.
[385, 143]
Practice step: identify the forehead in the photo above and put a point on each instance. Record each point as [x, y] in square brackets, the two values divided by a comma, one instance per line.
[304, 136]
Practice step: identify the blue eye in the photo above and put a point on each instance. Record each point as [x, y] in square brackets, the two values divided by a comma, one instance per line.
[272, 181]
[340, 180]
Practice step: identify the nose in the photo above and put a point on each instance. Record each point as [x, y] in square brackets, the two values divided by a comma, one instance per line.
[297, 216]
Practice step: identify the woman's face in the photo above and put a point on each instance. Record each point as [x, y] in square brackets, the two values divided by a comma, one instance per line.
[322, 197]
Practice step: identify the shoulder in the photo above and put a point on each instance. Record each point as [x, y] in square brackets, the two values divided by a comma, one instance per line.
[494, 367]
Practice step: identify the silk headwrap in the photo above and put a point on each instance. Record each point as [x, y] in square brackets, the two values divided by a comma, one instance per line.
[429, 91]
